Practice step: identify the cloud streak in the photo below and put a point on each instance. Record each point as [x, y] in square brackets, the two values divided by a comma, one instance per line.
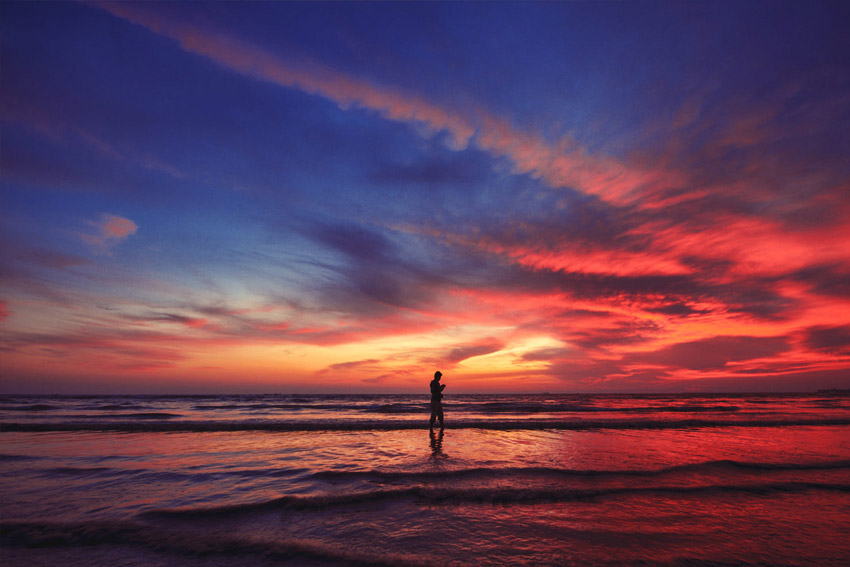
[564, 164]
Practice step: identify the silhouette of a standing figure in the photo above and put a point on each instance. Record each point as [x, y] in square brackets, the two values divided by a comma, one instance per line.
[436, 399]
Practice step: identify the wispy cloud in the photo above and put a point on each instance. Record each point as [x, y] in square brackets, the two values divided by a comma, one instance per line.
[404, 205]
[347, 366]
[458, 354]
[562, 164]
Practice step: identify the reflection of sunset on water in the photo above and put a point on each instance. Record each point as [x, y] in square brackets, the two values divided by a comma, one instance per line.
[525, 479]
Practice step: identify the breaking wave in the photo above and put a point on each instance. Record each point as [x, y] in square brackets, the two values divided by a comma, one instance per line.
[488, 495]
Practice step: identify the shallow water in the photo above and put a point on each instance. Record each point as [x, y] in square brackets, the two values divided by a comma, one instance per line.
[348, 480]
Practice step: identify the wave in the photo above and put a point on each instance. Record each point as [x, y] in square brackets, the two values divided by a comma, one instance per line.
[549, 407]
[8, 458]
[143, 415]
[443, 495]
[213, 407]
[308, 405]
[509, 472]
[124, 406]
[30, 407]
[383, 476]
[92, 418]
[393, 425]
[80, 472]
[49, 534]
[530, 407]
[747, 465]
[183, 544]
[140, 474]
[399, 408]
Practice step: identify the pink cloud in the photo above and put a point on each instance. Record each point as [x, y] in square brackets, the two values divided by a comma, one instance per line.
[110, 230]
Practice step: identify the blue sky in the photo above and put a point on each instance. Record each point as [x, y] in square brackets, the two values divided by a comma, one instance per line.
[342, 196]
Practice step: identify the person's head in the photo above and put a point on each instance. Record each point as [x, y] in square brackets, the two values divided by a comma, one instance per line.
[438, 375]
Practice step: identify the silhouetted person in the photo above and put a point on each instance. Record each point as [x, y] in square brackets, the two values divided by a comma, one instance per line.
[436, 398]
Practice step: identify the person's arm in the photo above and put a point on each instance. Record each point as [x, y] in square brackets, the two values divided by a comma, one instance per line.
[442, 387]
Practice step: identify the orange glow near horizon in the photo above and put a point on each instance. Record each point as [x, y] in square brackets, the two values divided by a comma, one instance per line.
[286, 218]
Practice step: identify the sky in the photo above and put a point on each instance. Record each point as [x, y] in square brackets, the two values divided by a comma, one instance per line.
[345, 197]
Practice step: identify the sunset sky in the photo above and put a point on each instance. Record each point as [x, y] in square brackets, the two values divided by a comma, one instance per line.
[345, 197]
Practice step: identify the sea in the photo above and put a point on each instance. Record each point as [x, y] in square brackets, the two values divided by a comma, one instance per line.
[525, 480]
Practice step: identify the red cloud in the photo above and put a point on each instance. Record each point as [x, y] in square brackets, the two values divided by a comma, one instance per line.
[714, 352]
[461, 353]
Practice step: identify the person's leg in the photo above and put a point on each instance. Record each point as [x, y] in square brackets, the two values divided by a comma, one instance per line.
[433, 414]
[440, 414]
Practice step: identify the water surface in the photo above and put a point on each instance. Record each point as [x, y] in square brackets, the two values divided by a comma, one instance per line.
[338, 480]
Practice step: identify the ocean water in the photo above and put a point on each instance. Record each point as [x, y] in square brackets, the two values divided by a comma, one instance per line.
[360, 480]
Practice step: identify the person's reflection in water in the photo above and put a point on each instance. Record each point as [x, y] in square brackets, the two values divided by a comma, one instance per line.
[436, 444]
